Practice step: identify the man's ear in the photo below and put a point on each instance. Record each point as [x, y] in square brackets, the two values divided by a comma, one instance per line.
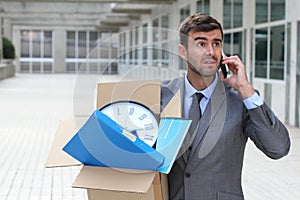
[182, 51]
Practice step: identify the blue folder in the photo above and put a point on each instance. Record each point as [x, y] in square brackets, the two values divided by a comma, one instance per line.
[171, 134]
[102, 142]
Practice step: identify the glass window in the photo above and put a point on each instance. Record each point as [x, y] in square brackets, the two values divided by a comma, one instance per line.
[297, 123]
[145, 43]
[277, 53]
[232, 13]
[155, 38]
[136, 36]
[165, 54]
[145, 55]
[36, 44]
[165, 26]
[24, 66]
[145, 33]
[155, 53]
[25, 43]
[131, 53]
[269, 10]
[36, 67]
[93, 42]
[237, 44]
[226, 14]
[136, 55]
[155, 26]
[47, 44]
[261, 11]
[185, 12]
[269, 54]
[93, 37]
[131, 37]
[227, 43]
[81, 44]
[261, 53]
[277, 10]
[47, 67]
[71, 67]
[71, 43]
[237, 13]
[232, 44]
[202, 6]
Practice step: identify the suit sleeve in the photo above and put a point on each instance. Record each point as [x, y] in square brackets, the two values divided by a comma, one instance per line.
[267, 132]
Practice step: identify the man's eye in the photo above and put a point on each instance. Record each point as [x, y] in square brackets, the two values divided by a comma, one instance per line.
[201, 44]
[217, 44]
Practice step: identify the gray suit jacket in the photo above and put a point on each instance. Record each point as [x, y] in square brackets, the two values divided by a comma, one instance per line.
[213, 170]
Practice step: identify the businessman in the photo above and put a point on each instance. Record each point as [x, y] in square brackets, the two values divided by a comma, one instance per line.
[225, 113]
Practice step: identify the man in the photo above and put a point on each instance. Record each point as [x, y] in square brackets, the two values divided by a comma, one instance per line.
[210, 165]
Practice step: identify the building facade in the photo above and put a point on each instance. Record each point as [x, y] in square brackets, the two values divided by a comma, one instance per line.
[264, 33]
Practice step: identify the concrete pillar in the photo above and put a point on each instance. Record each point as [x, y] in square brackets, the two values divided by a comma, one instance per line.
[1, 45]
[59, 50]
[216, 9]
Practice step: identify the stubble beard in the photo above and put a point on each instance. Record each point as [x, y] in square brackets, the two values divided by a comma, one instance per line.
[202, 73]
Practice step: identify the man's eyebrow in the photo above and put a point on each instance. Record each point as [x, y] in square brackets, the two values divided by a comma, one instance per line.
[204, 38]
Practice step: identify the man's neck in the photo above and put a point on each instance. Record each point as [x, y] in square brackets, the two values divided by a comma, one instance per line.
[199, 82]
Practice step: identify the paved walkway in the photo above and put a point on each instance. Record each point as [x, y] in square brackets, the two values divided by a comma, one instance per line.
[30, 109]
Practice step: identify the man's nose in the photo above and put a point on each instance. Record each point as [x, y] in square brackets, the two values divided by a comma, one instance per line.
[210, 49]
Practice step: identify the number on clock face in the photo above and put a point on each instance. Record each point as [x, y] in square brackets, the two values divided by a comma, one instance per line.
[135, 118]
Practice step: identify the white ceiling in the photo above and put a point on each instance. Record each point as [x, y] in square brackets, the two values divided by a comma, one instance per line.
[102, 14]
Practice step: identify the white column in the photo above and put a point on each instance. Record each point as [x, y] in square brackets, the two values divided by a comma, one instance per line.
[1, 47]
[59, 36]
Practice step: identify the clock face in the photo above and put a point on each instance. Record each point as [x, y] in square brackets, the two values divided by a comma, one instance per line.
[135, 118]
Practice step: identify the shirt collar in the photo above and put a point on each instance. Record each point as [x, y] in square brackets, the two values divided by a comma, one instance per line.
[207, 92]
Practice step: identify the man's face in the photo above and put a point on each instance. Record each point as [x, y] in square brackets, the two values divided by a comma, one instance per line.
[204, 52]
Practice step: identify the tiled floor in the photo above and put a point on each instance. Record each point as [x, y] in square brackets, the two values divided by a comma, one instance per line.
[30, 109]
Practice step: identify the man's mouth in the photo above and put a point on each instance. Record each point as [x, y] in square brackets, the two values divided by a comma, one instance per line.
[210, 62]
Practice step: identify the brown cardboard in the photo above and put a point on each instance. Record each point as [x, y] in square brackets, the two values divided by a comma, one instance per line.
[145, 92]
[121, 184]
[58, 158]
[173, 108]
[107, 195]
[108, 183]
[124, 180]
[124, 185]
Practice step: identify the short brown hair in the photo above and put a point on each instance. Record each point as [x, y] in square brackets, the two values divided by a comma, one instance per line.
[197, 23]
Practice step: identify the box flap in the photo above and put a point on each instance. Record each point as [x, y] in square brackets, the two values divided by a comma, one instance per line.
[145, 92]
[65, 131]
[173, 108]
[113, 179]
[113, 195]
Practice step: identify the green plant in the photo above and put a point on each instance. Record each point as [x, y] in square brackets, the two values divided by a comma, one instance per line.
[8, 49]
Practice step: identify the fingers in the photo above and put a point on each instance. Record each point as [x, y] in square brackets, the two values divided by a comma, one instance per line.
[233, 62]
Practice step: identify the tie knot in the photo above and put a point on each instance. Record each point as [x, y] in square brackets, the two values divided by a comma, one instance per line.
[199, 96]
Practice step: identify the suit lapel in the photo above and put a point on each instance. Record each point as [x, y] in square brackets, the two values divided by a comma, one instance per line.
[209, 128]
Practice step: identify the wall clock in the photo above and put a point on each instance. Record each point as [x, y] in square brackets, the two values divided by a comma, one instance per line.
[135, 118]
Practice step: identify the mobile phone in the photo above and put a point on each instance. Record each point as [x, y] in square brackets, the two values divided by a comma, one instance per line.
[223, 67]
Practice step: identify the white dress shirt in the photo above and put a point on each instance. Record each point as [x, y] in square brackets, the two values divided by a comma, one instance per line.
[252, 102]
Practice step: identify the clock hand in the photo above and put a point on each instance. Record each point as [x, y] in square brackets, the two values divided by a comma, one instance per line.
[138, 129]
[134, 131]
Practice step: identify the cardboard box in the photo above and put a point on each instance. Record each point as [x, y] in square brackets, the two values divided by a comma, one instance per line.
[109, 183]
